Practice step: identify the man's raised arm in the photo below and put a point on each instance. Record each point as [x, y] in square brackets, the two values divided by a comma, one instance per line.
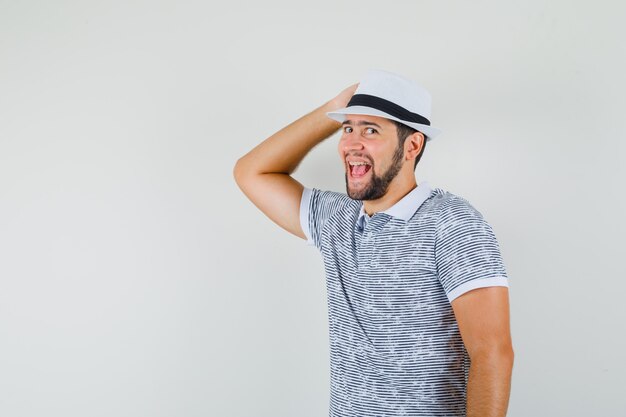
[264, 173]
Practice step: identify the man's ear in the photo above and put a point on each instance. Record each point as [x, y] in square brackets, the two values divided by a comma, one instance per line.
[413, 145]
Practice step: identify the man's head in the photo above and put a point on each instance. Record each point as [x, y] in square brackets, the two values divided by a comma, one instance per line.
[400, 110]
[375, 152]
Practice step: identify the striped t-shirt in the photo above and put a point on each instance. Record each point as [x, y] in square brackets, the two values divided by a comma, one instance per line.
[395, 346]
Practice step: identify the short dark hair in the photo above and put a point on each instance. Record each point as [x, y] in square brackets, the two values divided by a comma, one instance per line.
[404, 132]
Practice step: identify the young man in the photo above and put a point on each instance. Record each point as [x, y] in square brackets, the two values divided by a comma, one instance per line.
[417, 291]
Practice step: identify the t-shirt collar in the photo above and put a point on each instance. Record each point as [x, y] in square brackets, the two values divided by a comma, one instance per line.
[403, 209]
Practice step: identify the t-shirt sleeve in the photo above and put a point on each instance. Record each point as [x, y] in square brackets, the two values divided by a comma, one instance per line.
[467, 253]
[316, 207]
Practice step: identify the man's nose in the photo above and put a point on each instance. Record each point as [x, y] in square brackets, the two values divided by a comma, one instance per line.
[352, 142]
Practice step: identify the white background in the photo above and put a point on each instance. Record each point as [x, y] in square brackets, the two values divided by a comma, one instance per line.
[137, 280]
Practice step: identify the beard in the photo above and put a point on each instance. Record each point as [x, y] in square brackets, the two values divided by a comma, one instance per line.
[378, 185]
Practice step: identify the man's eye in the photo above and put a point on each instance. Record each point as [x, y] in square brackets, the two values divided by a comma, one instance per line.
[347, 129]
[370, 130]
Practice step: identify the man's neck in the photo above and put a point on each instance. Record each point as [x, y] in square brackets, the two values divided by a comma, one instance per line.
[397, 190]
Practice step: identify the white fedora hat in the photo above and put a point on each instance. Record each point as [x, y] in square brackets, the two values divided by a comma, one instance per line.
[388, 95]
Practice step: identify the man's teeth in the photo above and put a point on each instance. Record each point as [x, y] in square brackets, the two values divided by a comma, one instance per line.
[358, 168]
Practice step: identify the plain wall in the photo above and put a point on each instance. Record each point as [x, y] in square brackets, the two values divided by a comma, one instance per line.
[137, 280]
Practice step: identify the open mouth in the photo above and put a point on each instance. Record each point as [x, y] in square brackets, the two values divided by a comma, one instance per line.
[358, 169]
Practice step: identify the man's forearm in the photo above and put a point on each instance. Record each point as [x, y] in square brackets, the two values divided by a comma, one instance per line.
[489, 385]
[284, 150]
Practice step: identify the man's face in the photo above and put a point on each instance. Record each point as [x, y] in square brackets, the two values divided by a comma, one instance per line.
[372, 155]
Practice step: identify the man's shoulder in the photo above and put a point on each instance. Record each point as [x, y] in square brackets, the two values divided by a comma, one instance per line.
[447, 204]
[332, 196]
[329, 194]
[331, 201]
[442, 198]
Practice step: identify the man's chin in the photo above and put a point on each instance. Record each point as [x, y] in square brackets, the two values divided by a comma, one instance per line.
[356, 190]
[356, 193]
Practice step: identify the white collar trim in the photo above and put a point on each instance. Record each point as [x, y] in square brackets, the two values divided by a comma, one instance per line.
[406, 207]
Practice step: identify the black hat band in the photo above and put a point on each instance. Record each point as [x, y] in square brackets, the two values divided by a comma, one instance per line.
[388, 107]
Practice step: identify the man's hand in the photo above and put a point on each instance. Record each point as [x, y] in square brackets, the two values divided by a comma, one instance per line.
[343, 98]
[483, 318]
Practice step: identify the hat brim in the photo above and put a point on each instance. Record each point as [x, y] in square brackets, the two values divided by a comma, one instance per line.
[340, 116]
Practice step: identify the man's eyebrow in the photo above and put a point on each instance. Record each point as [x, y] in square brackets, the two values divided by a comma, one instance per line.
[361, 123]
